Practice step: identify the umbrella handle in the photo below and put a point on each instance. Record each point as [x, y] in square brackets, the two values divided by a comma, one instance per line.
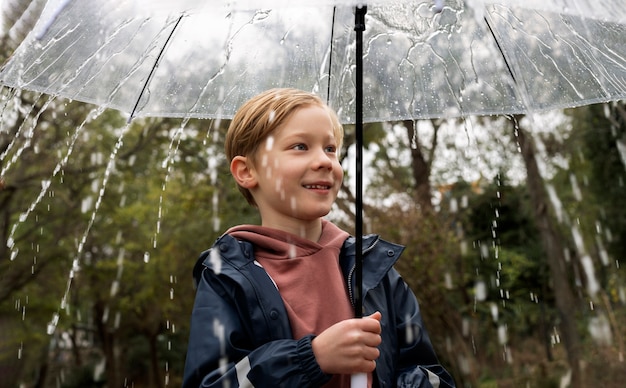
[358, 380]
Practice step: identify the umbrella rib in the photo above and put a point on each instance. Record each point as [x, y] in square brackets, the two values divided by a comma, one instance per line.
[330, 60]
[501, 51]
[154, 66]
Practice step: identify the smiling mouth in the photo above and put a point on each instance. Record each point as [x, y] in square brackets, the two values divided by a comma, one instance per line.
[317, 187]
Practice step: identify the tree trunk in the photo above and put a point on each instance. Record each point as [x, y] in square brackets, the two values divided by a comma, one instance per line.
[154, 362]
[78, 359]
[554, 250]
[420, 167]
[107, 340]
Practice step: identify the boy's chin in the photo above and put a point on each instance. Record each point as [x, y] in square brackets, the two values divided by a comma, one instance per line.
[311, 215]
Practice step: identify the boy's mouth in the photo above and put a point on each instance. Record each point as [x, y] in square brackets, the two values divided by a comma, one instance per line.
[317, 187]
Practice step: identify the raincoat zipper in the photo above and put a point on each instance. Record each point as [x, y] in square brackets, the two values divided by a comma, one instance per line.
[351, 273]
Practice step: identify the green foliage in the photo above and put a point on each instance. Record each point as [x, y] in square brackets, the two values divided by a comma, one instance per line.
[601, 170]
[127, 212]
[82, 377]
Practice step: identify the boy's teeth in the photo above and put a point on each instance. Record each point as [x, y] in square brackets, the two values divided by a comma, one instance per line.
[316, 187]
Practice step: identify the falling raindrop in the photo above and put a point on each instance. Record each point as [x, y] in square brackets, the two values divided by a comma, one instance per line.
[292, 251]
[484, 251]
[410, 335]
[114, 288]
[502, 334]
[454, 207]
[480, 291]
[575, 188]
[600, 330]
[556, 337]
[118, 319]
[464, 247]
[604, 255]
[52, 325]
[494, 312]
[216, 218]
[448, 281]
[216, 261]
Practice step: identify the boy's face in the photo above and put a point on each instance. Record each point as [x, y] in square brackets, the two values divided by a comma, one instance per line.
[297, 171]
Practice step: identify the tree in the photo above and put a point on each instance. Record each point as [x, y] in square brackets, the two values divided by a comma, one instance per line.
[598, 202]
[554, 248]
[400, 197]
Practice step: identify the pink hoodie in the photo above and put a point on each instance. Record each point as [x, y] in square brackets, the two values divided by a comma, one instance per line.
[308, 277]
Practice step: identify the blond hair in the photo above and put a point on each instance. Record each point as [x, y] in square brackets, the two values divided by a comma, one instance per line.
[260, 116]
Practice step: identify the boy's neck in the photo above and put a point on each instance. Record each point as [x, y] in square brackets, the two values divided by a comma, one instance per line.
[311, 230]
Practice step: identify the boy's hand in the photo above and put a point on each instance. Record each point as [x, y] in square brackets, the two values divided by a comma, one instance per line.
[349, 346]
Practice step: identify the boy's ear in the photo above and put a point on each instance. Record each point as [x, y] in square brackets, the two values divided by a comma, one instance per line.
[243, 172]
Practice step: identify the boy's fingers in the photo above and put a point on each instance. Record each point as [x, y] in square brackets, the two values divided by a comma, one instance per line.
[377, 315]
[372, 341]
[373, 323]
[372, 354]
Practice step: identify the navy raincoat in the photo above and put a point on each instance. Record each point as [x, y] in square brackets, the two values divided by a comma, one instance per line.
[241, 337]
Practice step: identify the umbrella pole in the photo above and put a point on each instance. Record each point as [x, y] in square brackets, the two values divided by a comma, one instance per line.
[359, 380]
[359, 27]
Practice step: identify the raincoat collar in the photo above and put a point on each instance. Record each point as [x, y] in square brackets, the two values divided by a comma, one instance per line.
[379, 256]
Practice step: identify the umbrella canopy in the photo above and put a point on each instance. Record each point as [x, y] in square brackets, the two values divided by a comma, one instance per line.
[191, 59]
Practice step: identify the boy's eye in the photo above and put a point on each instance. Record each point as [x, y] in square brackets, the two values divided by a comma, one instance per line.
[299, 147]
[331, 149]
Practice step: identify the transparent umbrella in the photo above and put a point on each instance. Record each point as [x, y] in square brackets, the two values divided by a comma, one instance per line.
[417, 59]
[203, 59]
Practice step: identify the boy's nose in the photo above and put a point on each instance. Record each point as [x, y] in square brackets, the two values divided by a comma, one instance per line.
[322, 160]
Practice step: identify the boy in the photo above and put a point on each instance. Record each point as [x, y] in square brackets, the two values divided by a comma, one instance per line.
[273, 305]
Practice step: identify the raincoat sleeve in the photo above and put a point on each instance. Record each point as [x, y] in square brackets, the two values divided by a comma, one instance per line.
[223, 353]
[417, 365]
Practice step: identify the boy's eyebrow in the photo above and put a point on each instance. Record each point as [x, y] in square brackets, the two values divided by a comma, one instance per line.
[304, 138]
[302, 133]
